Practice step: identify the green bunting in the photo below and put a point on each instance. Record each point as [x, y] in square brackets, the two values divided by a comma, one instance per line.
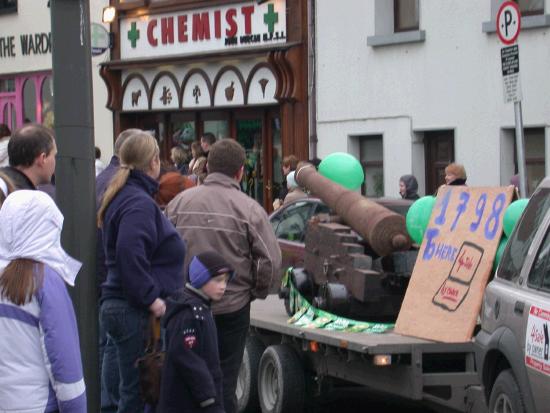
[307, 316]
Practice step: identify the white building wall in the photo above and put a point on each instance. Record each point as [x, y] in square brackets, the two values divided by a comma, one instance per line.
[34, 17]
[452, 80]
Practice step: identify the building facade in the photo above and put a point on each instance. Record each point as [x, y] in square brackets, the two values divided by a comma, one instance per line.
[237, 69]
[408, 86]
[26, 83]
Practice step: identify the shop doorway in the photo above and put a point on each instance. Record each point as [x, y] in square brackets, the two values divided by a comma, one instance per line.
[258, 130]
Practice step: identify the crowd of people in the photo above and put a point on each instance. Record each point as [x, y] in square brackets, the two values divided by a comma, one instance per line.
[187, 249]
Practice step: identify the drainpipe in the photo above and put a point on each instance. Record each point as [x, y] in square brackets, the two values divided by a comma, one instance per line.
[312, 95]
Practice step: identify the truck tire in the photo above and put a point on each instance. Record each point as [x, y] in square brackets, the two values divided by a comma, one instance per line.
[506, 396]
[281, 381]
[247, 382]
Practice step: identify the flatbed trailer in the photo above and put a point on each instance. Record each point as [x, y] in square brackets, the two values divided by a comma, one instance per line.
[283, 363]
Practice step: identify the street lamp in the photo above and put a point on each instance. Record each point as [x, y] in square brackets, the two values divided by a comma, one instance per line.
[108, 15]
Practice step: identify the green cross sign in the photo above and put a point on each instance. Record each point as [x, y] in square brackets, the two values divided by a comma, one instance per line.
[270, 18]
[133, 35]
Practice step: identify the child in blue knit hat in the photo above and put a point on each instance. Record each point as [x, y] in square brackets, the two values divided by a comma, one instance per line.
[191, 376]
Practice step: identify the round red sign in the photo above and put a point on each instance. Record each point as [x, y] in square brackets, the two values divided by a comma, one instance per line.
[508, 22]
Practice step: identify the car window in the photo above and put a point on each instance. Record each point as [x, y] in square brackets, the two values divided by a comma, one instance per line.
[322, 209]
[540, 266]
[293, 221]
[522, 237]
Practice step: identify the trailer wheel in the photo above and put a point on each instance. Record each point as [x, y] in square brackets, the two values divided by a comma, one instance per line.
[281, 381]
[247, 382]
[506, 396]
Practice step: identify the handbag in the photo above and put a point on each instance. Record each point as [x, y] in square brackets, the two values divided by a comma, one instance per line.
[150, 365]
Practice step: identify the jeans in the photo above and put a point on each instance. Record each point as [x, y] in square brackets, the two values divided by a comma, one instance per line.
[232, 331]
[109, 374]
[126, 328]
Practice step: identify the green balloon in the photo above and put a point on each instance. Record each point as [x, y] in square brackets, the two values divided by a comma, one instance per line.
[500, 251]
[418, 217]
[512, 214]
[344, 169]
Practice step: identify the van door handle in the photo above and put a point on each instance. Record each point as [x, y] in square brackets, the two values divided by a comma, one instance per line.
[518, 307]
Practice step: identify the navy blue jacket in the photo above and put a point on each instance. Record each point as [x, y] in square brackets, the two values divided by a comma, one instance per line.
[101, 183]
[191, 375]
[143, 252]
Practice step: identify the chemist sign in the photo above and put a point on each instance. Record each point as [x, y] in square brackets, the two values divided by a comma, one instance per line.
[211, 29]
[454, 262]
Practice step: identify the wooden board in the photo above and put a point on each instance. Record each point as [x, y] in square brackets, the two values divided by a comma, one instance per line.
[455, 260]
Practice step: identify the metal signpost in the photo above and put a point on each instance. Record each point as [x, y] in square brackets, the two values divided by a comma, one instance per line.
[75, 173]
[508, 27]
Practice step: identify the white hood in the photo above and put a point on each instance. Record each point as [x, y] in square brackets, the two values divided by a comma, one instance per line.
[30, 227]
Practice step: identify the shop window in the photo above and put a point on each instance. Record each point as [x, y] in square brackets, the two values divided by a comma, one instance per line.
[8, 6]
[220, 128]
[534, 157]
[396, 22]
[7, 85]
[372, 158]
[9, 116]
[530, 7]
[405, 14]
[47, 102]
[29, 101]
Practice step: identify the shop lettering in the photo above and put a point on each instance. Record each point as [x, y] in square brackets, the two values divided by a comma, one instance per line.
[206, 26]
[31, 44]
[38, 43]
[7, 46]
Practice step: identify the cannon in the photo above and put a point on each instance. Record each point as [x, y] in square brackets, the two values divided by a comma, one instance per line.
[358, 263]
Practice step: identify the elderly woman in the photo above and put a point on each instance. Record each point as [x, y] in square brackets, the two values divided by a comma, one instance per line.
[41, 368]
[144, 257]
[294, 191]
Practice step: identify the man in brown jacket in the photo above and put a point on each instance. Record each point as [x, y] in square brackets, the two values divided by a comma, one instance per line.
[217, 216]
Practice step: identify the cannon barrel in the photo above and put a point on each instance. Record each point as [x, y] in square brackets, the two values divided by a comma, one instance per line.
[384, 230]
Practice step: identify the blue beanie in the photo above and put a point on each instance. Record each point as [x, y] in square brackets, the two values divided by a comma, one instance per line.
[207, 265]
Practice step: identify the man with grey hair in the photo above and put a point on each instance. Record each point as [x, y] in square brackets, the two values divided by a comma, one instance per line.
[107, 351]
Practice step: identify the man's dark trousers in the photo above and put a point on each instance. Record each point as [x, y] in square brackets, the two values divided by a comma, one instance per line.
[232, 331]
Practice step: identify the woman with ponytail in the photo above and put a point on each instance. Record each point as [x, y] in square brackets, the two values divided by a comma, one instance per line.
[144, 257]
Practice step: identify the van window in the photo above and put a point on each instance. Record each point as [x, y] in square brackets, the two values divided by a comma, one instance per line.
[522, 237]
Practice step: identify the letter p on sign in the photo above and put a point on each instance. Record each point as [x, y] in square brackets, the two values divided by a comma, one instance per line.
[508, 22]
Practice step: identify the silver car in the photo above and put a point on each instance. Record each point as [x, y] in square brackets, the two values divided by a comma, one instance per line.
[513, 344]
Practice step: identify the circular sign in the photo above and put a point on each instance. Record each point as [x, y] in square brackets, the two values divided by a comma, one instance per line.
[100, 40]
[508, 22]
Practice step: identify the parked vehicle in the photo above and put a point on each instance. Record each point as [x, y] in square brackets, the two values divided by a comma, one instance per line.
[513, 344]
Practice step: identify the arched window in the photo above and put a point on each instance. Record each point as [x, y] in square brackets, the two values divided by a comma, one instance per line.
[29, 101]
[47, 102]
[9, 116]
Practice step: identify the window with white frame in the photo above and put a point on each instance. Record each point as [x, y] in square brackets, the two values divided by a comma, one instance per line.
[530, 7]
[396, 21]
[405, 15]
[371, 155]
[8, 6]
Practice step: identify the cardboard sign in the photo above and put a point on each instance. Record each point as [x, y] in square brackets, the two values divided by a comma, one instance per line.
[455, 260]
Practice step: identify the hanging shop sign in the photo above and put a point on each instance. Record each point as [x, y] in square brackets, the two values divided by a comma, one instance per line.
[236, 26]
